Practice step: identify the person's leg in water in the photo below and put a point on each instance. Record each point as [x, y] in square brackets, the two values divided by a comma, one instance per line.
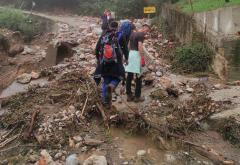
[138, 89]
[109, 85]
[106, 81]
[128, 86]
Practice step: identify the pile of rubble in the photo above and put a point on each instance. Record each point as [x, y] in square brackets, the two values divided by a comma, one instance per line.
[231, 130]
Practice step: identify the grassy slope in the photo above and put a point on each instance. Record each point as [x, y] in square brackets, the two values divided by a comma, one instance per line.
[205, 5]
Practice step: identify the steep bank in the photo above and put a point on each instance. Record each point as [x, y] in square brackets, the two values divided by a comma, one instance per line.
[219, 28]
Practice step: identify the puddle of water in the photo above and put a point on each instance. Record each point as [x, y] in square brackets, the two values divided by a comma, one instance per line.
[16, 87]
[131, 144]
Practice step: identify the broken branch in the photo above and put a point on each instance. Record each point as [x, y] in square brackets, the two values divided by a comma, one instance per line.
[28, 132]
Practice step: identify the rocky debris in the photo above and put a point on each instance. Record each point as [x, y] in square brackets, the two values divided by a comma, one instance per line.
[172, 91]
[92, 142]
[230, 129]
[218, 86]
[24, 78]
[95, 160]
[45, 157]
[17, 37]
[35, 75]
[78, 138]
[141, 153]
[33, 158]
[4, 44]
[15, 49]
[4, 162]
[28, 50]
[12, 61]
[190, 90]
[187, 115]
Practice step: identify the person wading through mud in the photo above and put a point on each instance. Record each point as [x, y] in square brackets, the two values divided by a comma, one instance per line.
[110, 63]
[135, 63]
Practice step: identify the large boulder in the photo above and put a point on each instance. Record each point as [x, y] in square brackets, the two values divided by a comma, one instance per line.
[15, 49]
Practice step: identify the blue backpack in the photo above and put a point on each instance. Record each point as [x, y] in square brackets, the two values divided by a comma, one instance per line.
[125, 29]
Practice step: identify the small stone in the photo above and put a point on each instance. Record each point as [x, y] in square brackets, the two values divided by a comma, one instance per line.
[141, 153]
[58, 155]
[218, 86]
[35, 75]
[170, 158]
[4, 162]
[46, 156]
[24, 78]
[125, 163]
[77, 138]
[63, 158]
[151, 67]
[95, 160]
[71, 143]
[72, 160]
[159, 74]
[92, 142]
[84, 149]
[33, 158]
[78, 145]
[190, 90]
[72, 109]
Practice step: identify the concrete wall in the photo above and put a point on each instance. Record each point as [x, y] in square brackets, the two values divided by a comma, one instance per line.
[219, 24]
[179, 23]
[219, 27]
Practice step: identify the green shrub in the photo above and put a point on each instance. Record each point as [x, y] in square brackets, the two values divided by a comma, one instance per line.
[17, 21]
[193, 58]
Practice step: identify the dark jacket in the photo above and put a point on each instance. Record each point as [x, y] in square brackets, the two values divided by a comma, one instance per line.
[106, 23]
[114, 69]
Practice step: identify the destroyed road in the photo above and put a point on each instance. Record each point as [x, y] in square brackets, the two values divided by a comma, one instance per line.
[59, 119]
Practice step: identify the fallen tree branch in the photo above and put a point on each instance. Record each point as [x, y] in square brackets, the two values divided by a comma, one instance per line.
[100, 108]
[202, 150]
[3, 144]
[29, 131]
[3, 137]
[84, 107]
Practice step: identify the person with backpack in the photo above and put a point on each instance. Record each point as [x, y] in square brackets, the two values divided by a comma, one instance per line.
[124, 34]
[135, 63]
[109, 62]
[126, 30]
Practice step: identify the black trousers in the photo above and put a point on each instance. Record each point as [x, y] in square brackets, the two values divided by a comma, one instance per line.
[138, 88]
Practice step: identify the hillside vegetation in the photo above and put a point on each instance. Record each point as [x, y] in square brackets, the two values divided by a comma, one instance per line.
[205, 5]
[123, 8]
[16, 20]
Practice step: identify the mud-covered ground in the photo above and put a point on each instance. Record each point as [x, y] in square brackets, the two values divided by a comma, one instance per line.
[58, 114]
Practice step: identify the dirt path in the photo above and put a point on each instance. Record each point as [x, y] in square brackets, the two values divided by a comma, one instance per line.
[72, 20]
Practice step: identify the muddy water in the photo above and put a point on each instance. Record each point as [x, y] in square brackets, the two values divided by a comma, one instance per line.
[130, 144]
[16, 88]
